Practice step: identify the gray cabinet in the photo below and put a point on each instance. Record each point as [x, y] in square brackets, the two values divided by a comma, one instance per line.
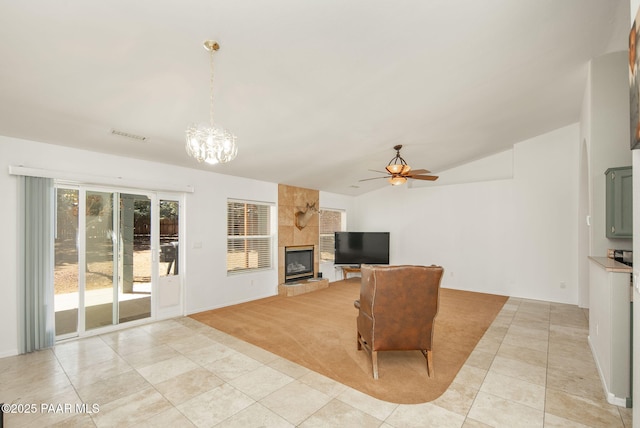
[619, 202]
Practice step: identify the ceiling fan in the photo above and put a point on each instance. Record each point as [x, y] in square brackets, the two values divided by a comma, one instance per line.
[397, 171]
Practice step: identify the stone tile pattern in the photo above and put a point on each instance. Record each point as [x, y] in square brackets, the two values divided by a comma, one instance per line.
[533, 367]
[302, 287]
[291, 200]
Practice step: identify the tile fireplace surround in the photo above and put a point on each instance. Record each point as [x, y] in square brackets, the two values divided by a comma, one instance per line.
[290, 200]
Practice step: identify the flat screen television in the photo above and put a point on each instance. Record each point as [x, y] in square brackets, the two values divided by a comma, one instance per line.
[356, 248]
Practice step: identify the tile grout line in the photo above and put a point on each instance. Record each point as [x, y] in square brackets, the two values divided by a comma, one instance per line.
[75, 389]
[492, 358]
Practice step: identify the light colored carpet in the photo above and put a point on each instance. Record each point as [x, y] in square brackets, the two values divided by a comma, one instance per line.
[318, 330]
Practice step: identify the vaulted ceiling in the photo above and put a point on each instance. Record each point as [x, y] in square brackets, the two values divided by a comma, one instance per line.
[317, 92]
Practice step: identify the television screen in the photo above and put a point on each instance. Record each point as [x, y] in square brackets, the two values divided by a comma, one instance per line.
[355, 248]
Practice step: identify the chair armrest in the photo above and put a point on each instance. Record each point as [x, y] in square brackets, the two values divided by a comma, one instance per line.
[356, 304]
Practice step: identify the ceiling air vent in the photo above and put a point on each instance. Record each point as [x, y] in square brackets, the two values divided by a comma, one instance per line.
[129, 135]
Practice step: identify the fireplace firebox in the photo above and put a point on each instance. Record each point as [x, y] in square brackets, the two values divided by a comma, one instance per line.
[298, 263]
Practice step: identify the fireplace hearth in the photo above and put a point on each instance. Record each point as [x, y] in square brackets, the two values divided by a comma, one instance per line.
[298, 263]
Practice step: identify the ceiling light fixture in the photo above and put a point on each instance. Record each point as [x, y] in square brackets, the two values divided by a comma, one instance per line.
[397, 167]
[398, 171]
[209, 143]
[397, 180]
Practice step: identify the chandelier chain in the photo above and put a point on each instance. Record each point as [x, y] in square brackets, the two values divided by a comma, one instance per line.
[211, 87]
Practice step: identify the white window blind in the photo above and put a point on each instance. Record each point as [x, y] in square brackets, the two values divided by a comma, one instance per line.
[249, 236]
[330, 221]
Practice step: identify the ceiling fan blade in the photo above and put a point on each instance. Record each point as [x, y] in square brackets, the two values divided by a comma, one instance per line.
[417, 172]
[424, 177]
[379, 172]
[374, 178]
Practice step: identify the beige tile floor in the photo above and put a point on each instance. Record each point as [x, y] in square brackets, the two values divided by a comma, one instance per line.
[533, 367]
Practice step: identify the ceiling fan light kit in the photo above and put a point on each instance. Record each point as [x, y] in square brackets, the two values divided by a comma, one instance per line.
[397, 165]
[211, 144]
[397, 180]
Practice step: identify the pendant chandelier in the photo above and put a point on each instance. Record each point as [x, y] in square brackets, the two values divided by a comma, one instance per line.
[211, 144]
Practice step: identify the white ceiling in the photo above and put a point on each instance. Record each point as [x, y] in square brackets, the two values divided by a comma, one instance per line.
[317, 92]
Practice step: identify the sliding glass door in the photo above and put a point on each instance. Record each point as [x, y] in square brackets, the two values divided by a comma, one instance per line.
[135, 258]
[66, 273]
[104, 261]
[169, 280]
[100, 260]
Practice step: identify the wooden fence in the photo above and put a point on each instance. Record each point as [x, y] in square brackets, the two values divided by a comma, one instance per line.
[67, 231]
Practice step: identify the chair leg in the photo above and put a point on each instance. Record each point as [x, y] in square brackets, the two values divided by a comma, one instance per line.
[428, 355]
[374, 354]
[374, 363]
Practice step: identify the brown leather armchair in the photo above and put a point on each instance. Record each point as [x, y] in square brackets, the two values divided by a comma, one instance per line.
[397, 309]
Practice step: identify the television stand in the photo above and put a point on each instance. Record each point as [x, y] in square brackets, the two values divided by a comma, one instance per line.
[349, 269]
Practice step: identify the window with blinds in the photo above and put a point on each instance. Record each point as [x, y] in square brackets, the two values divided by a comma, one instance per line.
[249, 237]
[330, 221]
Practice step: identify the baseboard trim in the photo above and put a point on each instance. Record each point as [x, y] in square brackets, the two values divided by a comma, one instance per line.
[9, 353]
[611, 398]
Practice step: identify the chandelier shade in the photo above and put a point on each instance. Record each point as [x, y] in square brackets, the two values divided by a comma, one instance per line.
[209, 143]
[397, 180]
[397, 165]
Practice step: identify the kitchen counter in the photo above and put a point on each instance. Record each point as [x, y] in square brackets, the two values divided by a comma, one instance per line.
[610, 339]
[611, 265]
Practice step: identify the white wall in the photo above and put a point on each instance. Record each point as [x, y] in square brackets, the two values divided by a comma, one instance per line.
[607, 138]
[584, 198]
[546, 196]
[513, 237]
[207, 284]
[604, 136]
[495, 167]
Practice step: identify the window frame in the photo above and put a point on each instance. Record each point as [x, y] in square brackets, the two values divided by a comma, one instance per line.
[343, 227]
[270, 236]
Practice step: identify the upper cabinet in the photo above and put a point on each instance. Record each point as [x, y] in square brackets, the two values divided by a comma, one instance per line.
[619, 202]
